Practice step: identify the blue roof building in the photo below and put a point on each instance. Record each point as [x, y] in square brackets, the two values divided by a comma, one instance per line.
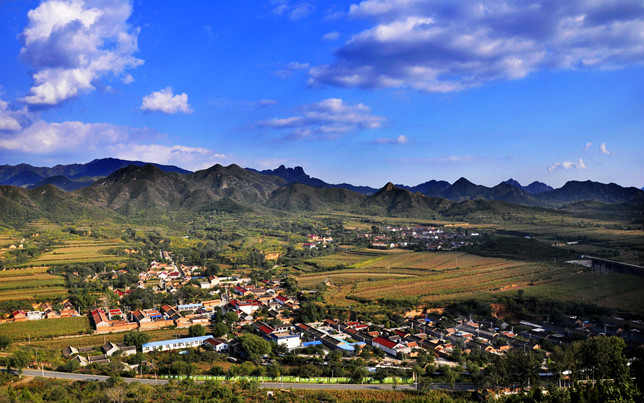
[165, 345]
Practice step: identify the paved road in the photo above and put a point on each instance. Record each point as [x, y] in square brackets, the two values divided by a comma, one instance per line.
[269, 385]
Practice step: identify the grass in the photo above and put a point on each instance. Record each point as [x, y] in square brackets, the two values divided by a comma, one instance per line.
[450, 276]
[44, 328]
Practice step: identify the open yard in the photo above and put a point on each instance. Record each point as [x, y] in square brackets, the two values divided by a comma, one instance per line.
[448, 276]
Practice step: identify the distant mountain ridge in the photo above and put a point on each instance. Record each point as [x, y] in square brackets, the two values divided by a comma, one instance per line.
[150, 193]
[510, 191]
[241, 184]
[69, 177]
[297, 175]
[534, 188]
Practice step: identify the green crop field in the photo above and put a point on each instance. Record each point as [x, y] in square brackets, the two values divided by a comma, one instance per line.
[44, 328]
[348, 258]
[449, 276]
[30, 283]
[80, 251]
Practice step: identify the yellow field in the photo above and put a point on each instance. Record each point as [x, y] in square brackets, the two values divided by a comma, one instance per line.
[448, 276]
[30, 283]
[79, 251]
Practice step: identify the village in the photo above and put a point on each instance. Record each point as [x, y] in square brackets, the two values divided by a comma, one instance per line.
[271, 309]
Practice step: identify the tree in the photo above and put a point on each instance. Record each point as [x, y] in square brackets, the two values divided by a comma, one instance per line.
[602, 358]
[196, 331]
[18, 360]
[231, 317]
[137, 339]
[116, 394]
[255, 346]
[220, 329]
[5, 341]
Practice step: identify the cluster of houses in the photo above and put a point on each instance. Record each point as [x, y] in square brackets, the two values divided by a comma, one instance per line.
[314, 241]
[430, 238]
[44, 311]
[90, 355]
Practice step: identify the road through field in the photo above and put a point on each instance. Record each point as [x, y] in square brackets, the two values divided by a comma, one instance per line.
[269, 385]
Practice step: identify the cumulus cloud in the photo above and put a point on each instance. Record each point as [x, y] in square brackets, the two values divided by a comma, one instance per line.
[292, 10]
[193, 158]
[567, 165]
[83, 140]
[605, 150]
[402, 139]
[45, 138]
[165, 101]
[327, 119]
[438, 46]
[72, 43]
[10, 120]
[331, 36]
[291, 68]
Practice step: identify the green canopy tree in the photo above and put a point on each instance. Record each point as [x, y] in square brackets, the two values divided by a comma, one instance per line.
[255, 346]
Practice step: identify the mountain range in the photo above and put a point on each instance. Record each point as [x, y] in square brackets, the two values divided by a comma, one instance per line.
[68, 177]
[150, 192]
[129, 186]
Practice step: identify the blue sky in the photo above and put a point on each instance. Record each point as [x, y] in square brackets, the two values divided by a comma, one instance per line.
[360, 92]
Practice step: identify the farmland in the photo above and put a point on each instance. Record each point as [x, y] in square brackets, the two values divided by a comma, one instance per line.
[79, 251]
[99, 339]
[44, 328]
[348, 258]
[33, 282]
[448, 276]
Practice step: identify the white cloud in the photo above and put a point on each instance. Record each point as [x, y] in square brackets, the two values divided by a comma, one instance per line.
[327, 119]
[567, 165]
[605, 150]
[292, 10]
[588, 145]
[46, 138]
[402, 139]
[192, 158]
[72, 43]
[10, 119]
[290, 68]
[165, 101]
[93, 140]
[128, 79]
[331, 36]
[438, 46]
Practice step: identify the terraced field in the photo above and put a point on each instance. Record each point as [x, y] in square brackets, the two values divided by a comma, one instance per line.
[349, 258]
[30, 283]
[449, 276]
[80, 251]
